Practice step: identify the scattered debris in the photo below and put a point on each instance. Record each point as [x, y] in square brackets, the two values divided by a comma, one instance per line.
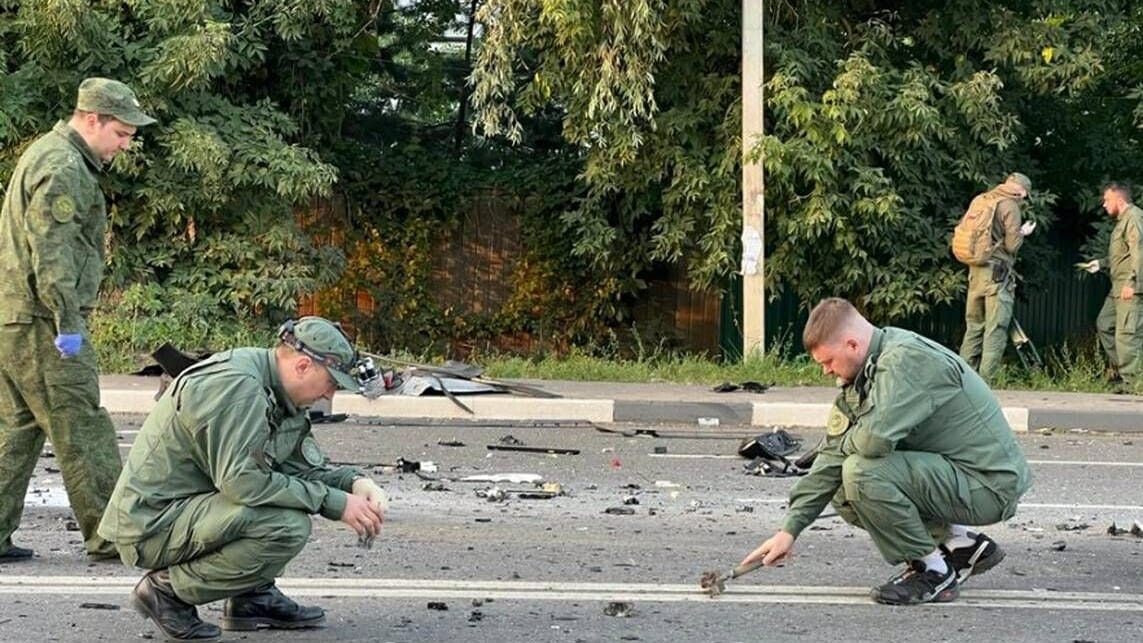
[450, 443]
[749, 387]
[71, 525]
[660, 449]
[475, 616]
[483, 520]
[630, 500]
[618, 609]
[434, 486]
[746, 509]
[708, 421]
[1059, 545]
[412, 466]
[321, 417]
[1072, 526]
[51, 470]
[476, 602]
[334, 563]
[509, 439]
[667, 484]
[1046, 431]
[619, 511]
[548, 491]
[514, 478]
[438, 606]
[552, 450]
[492, 494]
[98, 606]
[770, 445]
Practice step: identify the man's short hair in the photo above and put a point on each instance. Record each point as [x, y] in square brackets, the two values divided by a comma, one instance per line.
[826, 321]
[1121, 188]
[103, 118]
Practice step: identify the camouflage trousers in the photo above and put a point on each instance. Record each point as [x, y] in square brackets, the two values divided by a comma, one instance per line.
[43, 396]
[907, 500]
[1120, 328]
[216, 548]
[987, 315]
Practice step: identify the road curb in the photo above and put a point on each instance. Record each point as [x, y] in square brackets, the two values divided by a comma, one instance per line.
[503, 407]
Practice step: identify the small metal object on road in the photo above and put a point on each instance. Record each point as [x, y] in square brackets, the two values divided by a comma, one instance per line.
[619, 511]
[1059, 545]
[714, 583]
[438, 606]
[450, 443]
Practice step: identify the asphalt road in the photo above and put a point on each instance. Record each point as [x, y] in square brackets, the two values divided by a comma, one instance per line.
[550, 569]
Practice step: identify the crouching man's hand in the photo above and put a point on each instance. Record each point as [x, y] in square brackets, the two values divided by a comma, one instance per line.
[776, 549]
[362, 516]
[366, 488]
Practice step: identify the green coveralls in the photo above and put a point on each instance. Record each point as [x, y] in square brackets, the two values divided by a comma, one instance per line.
[917, 442]
[989, 303]
[51, 264]
[1120, 324]
[222, 479]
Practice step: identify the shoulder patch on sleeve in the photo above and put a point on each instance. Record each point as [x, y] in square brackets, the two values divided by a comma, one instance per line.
[312, 452]
[63, 208]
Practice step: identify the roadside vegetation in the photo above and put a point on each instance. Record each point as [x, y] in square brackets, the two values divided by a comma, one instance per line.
[124, 346]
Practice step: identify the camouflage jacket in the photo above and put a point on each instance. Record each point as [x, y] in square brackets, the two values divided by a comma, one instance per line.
[225, 425]
[51, 233]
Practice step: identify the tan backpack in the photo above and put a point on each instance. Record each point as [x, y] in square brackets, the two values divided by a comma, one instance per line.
[972, 237]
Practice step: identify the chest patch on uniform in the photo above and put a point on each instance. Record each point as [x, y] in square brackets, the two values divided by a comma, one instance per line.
[312, 452]
[63, 208]
[838, 422]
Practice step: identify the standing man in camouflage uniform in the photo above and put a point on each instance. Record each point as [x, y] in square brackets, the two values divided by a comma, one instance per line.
[916, 448]
[1120, 322]
[51, 264]
[992, 287]
[216, 495]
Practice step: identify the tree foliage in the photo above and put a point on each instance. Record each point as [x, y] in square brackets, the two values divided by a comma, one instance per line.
[882, 120]
[204, 201]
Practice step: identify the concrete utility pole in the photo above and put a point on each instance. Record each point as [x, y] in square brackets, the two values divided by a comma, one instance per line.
[753, 190]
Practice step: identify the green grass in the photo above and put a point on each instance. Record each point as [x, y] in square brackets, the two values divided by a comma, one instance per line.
[682, 369]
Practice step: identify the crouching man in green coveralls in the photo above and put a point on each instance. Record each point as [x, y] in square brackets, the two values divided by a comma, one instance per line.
[916, 449]
[216, 495]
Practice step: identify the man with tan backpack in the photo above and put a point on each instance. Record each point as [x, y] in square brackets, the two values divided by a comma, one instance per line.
[986, 240]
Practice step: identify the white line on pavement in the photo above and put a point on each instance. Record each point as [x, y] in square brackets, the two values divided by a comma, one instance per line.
[1080, 463]
[572, 591]
[1023, 505]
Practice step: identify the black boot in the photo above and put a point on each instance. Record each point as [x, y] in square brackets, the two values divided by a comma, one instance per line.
[154, 598]
[268, 607]
[14, 554]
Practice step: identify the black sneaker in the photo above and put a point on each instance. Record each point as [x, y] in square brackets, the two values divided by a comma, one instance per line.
[916, 585]
[982, 555]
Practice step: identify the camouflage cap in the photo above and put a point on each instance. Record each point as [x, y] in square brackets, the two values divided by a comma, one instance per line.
[1020, 179]
[111, 98]
[324, 341]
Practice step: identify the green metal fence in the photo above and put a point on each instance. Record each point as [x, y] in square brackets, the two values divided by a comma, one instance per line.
[1062, 310]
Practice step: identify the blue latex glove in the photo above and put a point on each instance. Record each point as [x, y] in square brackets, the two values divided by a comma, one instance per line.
[68, 344]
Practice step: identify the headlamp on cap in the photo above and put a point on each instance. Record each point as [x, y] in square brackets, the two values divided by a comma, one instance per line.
[368, 379]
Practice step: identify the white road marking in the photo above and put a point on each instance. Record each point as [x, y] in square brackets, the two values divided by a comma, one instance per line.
[1023, 505]
[573, 591]
[1084, 463]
